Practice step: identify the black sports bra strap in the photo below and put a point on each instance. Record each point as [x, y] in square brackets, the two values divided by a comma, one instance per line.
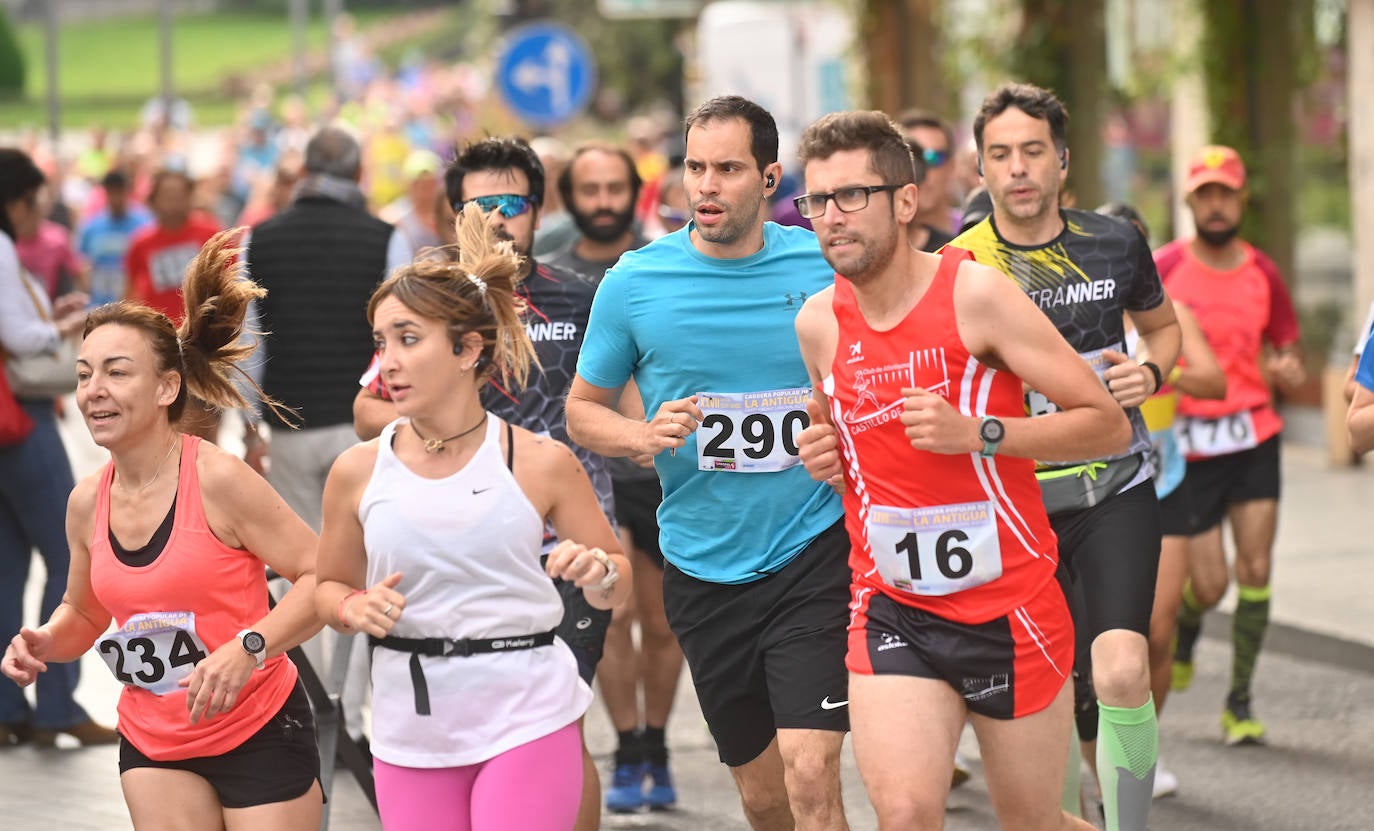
[510, 448]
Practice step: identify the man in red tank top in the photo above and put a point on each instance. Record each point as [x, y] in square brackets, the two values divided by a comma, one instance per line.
[956, 611]
[1233, 476]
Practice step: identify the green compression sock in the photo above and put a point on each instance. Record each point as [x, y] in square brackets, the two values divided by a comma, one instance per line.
[1189, 625]
[1127, 749]
[1247, 634]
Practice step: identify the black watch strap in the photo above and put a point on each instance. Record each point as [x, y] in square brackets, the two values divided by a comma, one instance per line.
[1159, 376]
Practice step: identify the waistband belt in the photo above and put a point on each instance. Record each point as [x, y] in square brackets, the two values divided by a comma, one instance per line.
[447, 647]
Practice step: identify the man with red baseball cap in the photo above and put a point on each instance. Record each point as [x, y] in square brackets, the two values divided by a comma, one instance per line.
[1232, 444]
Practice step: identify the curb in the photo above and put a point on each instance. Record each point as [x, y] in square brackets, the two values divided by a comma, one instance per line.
[1300, 643]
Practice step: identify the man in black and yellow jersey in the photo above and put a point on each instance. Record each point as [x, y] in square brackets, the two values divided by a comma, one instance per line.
[1085, 271]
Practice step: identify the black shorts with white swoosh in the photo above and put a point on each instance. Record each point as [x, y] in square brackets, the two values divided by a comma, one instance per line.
[767, 654]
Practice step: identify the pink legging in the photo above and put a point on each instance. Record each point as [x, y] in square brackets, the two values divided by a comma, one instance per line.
[534, 787]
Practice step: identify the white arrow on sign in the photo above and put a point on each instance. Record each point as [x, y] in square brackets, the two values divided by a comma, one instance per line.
[552, 73]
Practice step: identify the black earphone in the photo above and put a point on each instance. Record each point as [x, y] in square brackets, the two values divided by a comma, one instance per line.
[769, 183]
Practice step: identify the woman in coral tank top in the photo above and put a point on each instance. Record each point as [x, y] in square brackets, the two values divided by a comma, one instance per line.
[170, 541]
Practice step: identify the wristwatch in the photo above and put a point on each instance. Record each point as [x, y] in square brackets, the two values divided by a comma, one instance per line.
[991, 431]
[255, 645]
[612, 572]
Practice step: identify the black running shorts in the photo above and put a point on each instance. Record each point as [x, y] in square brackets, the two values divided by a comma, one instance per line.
[1176, 511]
[1222, 481]
[1008, 667]
[1111, 551]
[636, 511]
[276, 764]
[769, 654]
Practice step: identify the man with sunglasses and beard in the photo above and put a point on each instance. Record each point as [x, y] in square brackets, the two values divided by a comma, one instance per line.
[936, 140]
[1232, 445]
[600, 187]
[505, 178]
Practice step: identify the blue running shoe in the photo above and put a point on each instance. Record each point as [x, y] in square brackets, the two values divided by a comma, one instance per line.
[626, 793]
[661, 795]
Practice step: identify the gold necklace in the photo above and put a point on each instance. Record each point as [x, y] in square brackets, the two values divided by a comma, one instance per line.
[436, 445]
[141, 488]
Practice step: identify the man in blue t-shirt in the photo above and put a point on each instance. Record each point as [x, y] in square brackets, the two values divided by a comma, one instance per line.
[104, 240]
[756, 577]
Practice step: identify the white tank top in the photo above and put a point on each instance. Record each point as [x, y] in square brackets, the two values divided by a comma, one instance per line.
[468, 546]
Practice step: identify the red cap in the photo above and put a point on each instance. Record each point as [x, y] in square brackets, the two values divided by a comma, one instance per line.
[1218, 164]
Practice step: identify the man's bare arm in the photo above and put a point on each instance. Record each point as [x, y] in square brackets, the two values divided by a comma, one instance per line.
[594, 423]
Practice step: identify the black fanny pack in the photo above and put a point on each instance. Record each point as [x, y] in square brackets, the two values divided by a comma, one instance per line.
[447, 648]
[1080, 487]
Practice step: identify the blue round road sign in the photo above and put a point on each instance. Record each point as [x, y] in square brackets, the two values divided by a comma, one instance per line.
[546, 73]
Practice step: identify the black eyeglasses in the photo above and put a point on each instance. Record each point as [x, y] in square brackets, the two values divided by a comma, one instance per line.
[849, 200]
[510, 205]
[934, 158]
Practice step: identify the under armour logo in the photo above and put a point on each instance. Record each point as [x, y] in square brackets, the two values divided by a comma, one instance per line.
[794, 300]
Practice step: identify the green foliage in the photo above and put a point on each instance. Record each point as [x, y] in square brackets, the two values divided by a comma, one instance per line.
[11, 60]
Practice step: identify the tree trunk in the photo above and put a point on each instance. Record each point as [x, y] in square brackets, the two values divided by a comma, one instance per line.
[1063, 47]
[1251, 49]
[904, 63]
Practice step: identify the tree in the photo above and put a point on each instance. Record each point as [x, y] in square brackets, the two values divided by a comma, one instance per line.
[904, 56]
[11, 60]
[1063, 47]
[1257, 55]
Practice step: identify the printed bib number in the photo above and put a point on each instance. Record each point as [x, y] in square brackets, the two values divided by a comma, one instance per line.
[937, 550]
[154, 650]
[167, 268]
[751, 432]
[1036, 402]
[1217, 436]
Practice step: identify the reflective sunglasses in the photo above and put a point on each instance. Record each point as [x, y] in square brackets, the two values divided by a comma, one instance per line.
[848, 200]
[934, 158]
[510, 205]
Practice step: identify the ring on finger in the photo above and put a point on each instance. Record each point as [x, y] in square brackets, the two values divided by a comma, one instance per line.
[387, 610]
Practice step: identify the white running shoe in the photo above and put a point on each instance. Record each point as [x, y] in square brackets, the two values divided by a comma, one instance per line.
[1166, 783]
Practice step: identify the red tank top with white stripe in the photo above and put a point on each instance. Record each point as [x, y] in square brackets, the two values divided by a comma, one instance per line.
[196, 596]
[960, 536]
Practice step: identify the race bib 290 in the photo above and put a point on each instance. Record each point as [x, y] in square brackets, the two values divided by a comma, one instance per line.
[751, 432]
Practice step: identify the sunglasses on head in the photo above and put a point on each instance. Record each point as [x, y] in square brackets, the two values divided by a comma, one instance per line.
[510, 205]
[934, 158]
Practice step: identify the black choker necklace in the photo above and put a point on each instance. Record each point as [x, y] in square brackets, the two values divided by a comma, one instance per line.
[436, 445]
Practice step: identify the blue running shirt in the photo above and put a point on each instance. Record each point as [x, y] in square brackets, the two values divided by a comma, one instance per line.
[683, 323]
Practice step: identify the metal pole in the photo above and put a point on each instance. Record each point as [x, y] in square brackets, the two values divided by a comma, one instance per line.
[299, 12]
[54, 96]
[164, 29]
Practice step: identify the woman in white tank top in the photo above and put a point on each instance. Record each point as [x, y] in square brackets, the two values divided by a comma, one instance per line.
[442, 517]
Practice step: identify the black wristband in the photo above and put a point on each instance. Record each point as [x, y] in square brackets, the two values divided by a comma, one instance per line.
[1159, 376]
